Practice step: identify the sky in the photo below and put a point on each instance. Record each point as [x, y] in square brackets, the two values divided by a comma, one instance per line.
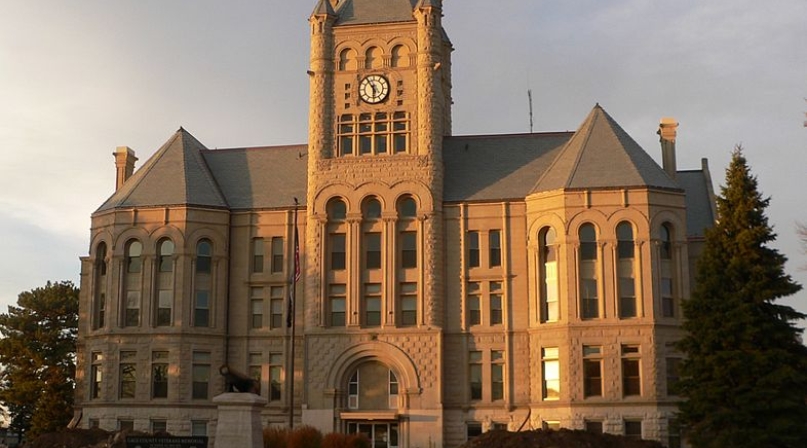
[79, 78]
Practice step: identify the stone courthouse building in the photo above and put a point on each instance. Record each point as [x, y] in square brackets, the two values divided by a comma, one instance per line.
[449, 284]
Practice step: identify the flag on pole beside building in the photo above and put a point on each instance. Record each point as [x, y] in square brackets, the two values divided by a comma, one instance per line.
[295, 277]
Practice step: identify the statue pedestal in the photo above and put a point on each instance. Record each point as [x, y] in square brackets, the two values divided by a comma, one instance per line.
[239, 423]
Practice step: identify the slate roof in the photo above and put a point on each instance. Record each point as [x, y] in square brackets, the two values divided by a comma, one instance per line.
[361, 12]
[701, 212]
[602, 155]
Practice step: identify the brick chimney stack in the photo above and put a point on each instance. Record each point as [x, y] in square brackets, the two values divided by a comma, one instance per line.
[667, 131]
[124, 163]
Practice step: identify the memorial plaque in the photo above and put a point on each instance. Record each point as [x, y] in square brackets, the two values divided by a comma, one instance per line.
[166, 442]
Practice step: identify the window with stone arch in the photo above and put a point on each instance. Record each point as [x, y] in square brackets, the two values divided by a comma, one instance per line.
[372, 231]
[371, 209]
[548, 259]
[373, 58]
[407, 232]
[348, 60]
[588, 280]
[99, 296]
[133, 283]
[407, 207]
[165, 282]
[400, 56]
[337, 234]
[372, 386]
[626, 270]
[202, 283]
[667, 267]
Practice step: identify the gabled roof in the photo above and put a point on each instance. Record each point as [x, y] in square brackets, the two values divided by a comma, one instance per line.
[602, 155]
[360, 12]
[175, 175]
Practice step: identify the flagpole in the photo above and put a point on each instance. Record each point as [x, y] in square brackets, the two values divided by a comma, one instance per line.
[292, 314]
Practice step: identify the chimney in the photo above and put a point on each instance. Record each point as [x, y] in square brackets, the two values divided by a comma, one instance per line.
[124, 163]
[667, 130]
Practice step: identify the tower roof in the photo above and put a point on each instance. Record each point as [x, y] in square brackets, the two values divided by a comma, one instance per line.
[359, 12]
[175, 175]
[602, 155]
[324, 8]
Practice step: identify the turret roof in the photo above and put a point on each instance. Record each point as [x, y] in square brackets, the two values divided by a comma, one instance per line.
[360, 12]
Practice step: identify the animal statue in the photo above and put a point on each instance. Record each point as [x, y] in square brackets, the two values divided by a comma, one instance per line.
[236, 381]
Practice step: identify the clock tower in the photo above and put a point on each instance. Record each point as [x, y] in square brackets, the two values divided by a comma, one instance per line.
[380, 106]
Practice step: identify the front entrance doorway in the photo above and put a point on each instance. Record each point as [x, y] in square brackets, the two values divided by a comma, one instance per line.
[381, 435]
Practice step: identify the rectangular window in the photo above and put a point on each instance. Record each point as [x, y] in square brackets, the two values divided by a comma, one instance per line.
[473, 249]
[276, 298]
[473, 429]
[198, 428]
[633, 429]
[158, 426]
[165, 299]
[495, 303]
[201, 375]
[594, 426]
[409, 304]
[96, 374]
[673, 375]
[551, 373]
[277, 255]
[128, 374]
[589, 295]
[201, 311]
[275, 376]
[338, 254]
[474, 309]
[372, 255]
[409, 252]
[475, 374]
[256, 301]
[125, 425]
[631, 372]
[627, 297]
[495, 248]
[257, 255]
[592, 371]
[372, 304]
[667, 301]
[94, 423]
[132, 317]
[337, 305]
[256, 368]
[496, 375]
[159, 374]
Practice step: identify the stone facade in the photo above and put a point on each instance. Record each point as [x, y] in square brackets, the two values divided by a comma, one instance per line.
[433, 302]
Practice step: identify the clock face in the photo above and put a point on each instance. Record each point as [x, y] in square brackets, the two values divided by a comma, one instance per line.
[374, 89]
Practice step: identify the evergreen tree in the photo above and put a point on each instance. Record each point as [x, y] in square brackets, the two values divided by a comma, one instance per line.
[37, 353]
[745, 376]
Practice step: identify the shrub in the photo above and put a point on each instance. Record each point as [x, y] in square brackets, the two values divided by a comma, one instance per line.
[305, 437]
[275, 437]
[337, 440]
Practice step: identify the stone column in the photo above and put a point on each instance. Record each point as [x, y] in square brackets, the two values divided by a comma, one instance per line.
[239, 422]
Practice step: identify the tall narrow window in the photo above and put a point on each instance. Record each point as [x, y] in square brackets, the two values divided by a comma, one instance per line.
[347, 60]
[257, 255]
[277, 255]
[134, 269]
[631, 373]
[128, 374]
[353, 391]
[592, 371]
[400, 56]
[626, 271]
[495, 248]
[495, 303]
[472, 301]
[256, 368]
[275, 376]
[373, 58]
[256, 303]
[667, 272]
[202, 284]
[372, 248]
[276, 298]
[473, 249]
[475, 374]
[159, 374]
[201, 375]
[409, 304]
[337, 305]
[409, 250]
[550, 370]
[589, 296]
[548, 265]
[99, 302]
[372, 304]
[496, 375]
[96, 374]
[338, 251]
[165, 282]
[393, 390]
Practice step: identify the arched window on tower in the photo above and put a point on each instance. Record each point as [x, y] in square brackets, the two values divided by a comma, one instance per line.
[626, 270]
[373, 58]
[165, 282]
[133, 283]
[667, 256]
[99, 299]
[347, 60]
[202, 283]
[587, 271]
[548, 265]
[400, 56]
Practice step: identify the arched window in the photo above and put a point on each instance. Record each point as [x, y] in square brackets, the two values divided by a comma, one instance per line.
[347, 60]
[202, 283]
[99, 307]
[626, 270]
[165, 282]
[667, 271]
[372, 209]
[134, 269]
[372, 386]
[588, 262]
[400, 56]
[373, 58]
[407, 207]
[548, 265]
[337, 210]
